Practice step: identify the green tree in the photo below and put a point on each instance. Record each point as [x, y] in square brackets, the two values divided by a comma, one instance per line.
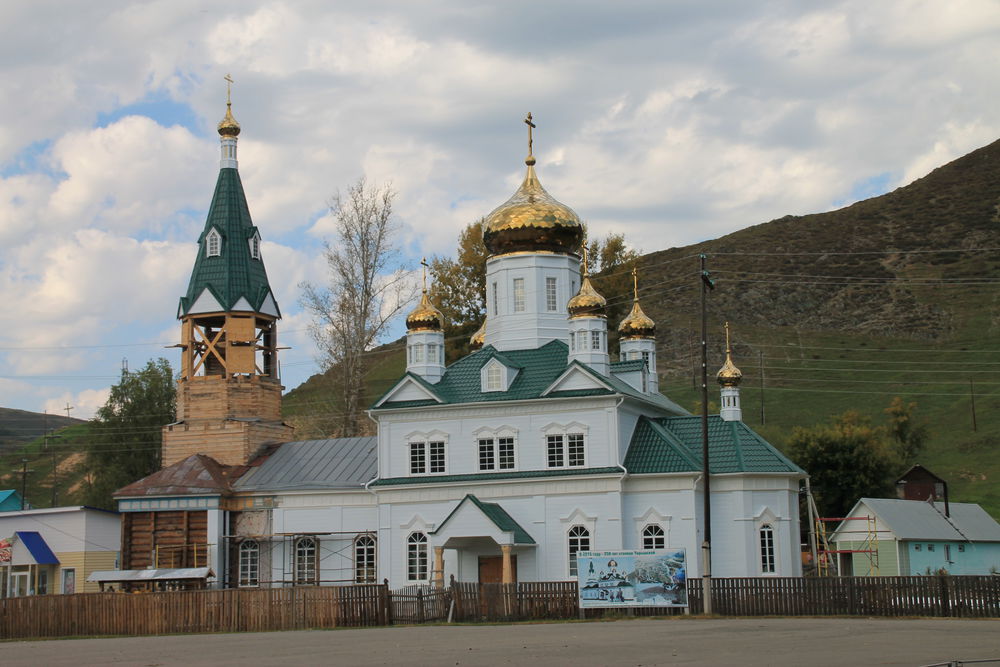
[610, 261]
[125, 440]
[907, 433]
[847, 459]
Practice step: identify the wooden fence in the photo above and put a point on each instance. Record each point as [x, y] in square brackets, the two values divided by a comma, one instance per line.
[301, 607]
[235, 610]
[948, 596]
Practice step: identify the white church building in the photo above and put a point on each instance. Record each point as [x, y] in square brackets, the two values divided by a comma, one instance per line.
[500, 467]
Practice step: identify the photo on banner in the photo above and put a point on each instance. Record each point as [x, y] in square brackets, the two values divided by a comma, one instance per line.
[647, 578]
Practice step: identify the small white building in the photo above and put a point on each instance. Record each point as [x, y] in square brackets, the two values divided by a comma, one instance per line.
[54, 550]
[499, 467]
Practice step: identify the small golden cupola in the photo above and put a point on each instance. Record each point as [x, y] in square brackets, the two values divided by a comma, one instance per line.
[228, 127]
[532, 220]
[636, 324]
[478, 339]
[729, 375]
[425, 337]
[587, 302]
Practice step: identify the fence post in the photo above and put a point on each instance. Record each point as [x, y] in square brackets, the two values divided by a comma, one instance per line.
[946, 609]
[851, 600]
[386, 603]
[420, 605]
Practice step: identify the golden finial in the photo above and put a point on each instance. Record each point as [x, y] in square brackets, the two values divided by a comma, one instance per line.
[228, 127]
[636, 324]
[530, 160]
[729, 375]
[425, 317]
[423, 263]
[635, 284]
[586, 271]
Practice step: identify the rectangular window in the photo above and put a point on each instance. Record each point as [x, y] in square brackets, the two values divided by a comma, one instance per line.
[69, 581]
[496, 302]
[518, 295]
[555, 451]
[418, 353]
[930, 547]
[249, 563]
[916, 547]
[496, 453]
[961, 548]
[595, 340]
[437, 457]
[579, 540]
[418, 458]
[575, 449]
[43, 582]
[364, 559]
[505, 453]
[551, 300]
[494, 378]
[416, 557]
[487, 456]
[767, 562]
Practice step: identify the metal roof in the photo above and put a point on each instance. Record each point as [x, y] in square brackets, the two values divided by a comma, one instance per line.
[161, 574]
[198, 474]
[920, 520]
[335, 463]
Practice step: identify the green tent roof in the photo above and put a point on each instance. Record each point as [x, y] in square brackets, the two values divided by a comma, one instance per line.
[674, 444]
[233, 274]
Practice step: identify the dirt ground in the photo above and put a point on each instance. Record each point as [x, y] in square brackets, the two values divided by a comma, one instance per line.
[676, 641]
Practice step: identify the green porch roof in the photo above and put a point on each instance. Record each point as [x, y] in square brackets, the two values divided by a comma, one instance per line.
[674, 444]
[233, 274]
[497, 515]
[536, 370]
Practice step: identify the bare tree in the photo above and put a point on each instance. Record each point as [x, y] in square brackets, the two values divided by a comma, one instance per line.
[366, 289]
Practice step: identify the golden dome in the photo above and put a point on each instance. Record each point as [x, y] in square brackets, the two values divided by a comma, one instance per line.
[228, 127]
[637, 324]
[532, 220]
[425, 317]
[587, 302]
[478, 339]
[729, 375]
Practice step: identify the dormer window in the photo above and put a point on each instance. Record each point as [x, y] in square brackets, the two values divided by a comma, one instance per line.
[495, 376]
[213, 243]
[255, 246]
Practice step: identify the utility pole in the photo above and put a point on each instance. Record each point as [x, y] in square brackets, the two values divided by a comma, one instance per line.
[24, 484]
[52, 454]
[706, 545]
[762, 422]
[68, 408]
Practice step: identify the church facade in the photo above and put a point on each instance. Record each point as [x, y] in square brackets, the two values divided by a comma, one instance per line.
[500, 467]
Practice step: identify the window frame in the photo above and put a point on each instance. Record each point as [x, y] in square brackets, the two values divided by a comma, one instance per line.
[491, 446]
[577, 539]
[248, 564]
[306, 561]
[768, 560]
[254, 242]
[519, 301]
[551, 294]
[428, 455]
[213, 243]
[365, 559]
[649, 536]
[564, 445]
[417, 561]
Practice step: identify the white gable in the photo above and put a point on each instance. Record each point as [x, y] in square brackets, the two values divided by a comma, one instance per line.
[408, 389]
[575, 378]
[206, 303]
[269, 307]
[242, 304]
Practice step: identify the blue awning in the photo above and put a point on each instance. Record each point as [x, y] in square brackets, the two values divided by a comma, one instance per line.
[37, 547]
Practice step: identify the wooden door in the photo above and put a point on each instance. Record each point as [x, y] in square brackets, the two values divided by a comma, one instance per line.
[491, 569]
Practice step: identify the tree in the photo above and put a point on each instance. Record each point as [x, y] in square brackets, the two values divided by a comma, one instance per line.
[366, 289]
[610, 261]
[907, 434]
[848, 459]
[125, 440]
[458, 287]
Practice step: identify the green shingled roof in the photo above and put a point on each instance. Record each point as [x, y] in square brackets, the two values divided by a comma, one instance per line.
[674, 444]
[536, 370]
[497, 515]
[234, 273]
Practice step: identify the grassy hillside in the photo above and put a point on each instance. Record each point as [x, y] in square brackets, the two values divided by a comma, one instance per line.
[61, 452]
[892, 296]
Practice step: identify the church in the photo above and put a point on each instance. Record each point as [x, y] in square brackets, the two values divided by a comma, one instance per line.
[500, 467]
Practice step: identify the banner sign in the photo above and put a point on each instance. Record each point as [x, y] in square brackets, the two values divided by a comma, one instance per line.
[5, 551]
[649, 578]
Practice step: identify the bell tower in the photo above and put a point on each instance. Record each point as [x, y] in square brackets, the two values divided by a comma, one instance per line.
[229, 392]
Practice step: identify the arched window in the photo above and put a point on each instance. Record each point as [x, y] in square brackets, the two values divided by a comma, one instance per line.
[213, 244]
[364, 559]
[305, 560]
[255, 246]
[578, 540]
[767, 561]
[416, 557]
[249, 563]
[653, 537]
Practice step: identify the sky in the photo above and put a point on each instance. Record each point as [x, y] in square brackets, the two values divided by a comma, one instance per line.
[670, 122]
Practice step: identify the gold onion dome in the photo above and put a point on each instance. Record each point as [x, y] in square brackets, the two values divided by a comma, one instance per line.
[425, 317]
[637, 324]
[532, 220]
[587, 302]
[479, 338]
[729, 375]
[228, 127]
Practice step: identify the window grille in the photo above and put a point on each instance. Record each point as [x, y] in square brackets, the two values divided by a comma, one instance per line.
[653, 537]
[364, 559]
[249, 563]
[416, 557]
[767, 560]
[579, 540]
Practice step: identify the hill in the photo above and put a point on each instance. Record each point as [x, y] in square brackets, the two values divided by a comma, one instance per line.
[18, 427]
[892, 296]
